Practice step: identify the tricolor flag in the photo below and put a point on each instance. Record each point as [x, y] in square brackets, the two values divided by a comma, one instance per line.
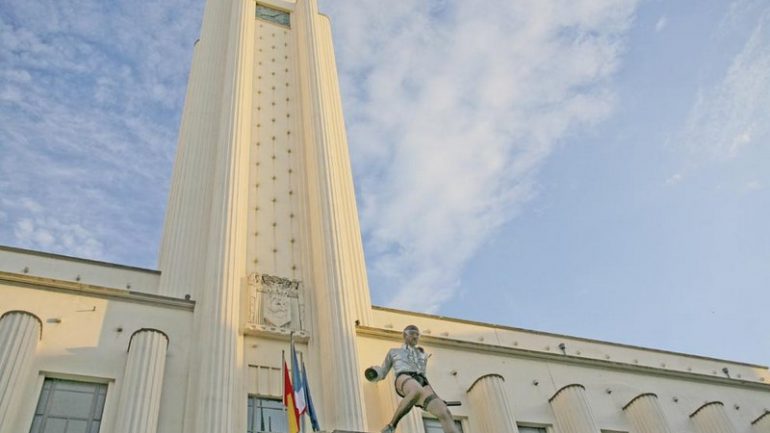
[288, 401]
[309, 401]
[296, 378]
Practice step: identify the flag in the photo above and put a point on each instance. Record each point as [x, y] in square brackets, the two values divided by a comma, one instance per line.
[296, 378]
[288, 401]
[309, 401]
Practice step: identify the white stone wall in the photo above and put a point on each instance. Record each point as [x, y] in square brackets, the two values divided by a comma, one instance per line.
[277, 222]
[531, 380]
[77, 271]
[86, 337]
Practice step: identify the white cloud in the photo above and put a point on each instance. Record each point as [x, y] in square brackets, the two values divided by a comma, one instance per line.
[674, 179]
[734, 115]
[452, 108]
[753, 185]
[661, 24]
[90, 97]
[50, 234]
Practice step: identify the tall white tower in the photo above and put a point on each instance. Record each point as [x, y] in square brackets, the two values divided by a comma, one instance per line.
[262, 185]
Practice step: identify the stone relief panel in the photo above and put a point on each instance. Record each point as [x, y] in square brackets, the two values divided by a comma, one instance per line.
[275, 305]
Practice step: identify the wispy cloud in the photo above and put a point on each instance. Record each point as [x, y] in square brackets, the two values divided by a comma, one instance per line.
[734, 115]
[452, 108]
[661, 24]
[90, 94]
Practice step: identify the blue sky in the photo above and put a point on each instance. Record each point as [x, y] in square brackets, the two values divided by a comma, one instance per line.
[591, 167]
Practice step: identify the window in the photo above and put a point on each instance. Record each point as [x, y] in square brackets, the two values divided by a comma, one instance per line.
[273, 15]
[528, 429]
[433, 426]
[266, 415]
[67, 406]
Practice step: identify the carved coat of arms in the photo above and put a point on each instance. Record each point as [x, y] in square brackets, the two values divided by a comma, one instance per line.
[274, 301]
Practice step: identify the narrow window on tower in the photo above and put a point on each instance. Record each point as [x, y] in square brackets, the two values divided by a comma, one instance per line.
[272, 15]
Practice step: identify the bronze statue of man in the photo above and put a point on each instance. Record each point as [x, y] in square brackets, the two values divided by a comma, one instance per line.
[408, 363]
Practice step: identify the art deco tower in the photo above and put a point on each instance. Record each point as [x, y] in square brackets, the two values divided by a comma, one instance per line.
[262, 185]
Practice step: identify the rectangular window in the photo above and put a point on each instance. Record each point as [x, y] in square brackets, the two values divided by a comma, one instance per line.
[272, 15]
[529, 429]
[66, 406]
[266, 416]
[433, 426]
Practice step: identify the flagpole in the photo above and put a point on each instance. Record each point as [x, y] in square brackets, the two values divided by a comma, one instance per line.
[291, 342]
[302, 418]
[283, 386]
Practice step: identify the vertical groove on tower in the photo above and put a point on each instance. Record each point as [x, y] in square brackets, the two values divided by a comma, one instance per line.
[572, 412]
[19, 333]
[646, 415]
[491, 409]
[712, 418]
[142, 383]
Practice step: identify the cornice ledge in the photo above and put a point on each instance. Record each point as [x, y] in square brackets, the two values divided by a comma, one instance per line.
[97, 291]
[493, 326]
[390, 334]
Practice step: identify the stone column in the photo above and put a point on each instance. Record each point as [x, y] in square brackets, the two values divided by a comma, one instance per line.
[19, 334]
[142, 383]
[339, 278]
[712, 418]
[216, 399]
[762, 423]
[645, 414]
[491, 409]
[573, 414]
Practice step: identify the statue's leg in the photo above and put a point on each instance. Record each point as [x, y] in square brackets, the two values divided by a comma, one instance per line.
[411, 390]
[439, 409]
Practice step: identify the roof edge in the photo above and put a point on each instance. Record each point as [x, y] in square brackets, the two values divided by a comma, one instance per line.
[572, 337]
[76, 259]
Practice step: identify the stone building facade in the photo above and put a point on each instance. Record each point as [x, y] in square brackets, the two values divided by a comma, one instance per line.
[262, 241]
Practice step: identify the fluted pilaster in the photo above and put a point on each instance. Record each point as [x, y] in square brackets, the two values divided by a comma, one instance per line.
[339, 274]
[343, 213]
[19, 334]
[142, 383]
[184, 243]
[203, 248]
[572, 411]
[762, 423]
[220, 402]
[646, 415]
[712, 418]
[491, 409]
